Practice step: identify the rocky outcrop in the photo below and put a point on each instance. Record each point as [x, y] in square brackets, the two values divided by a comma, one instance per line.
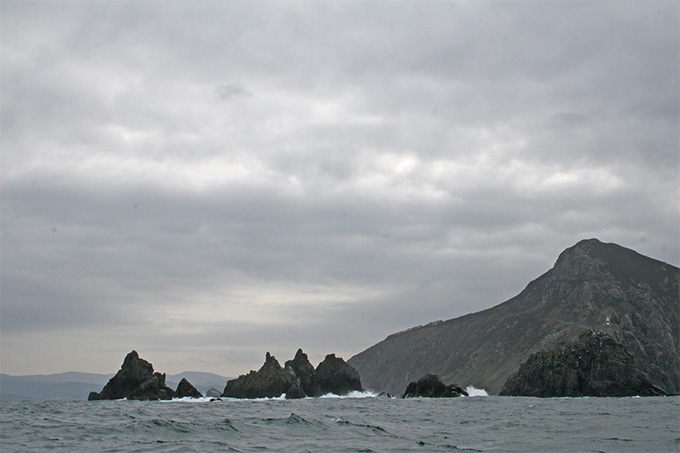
[186, 390]
[136, 380]
[270, 381]
[213, 393]
[594, 365]
[153, 389]
[304, 370]
[429, 386]
[593, 285]
[298, 379]
[334, 375]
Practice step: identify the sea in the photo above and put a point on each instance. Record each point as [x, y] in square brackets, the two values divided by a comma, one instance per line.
[360, 422]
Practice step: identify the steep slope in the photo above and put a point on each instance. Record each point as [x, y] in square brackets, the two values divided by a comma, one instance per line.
[604, 287]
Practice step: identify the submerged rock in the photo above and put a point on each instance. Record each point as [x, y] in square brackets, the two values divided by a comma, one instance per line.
[185, 389]
[594, 365]
[135, 380]
[429, 386]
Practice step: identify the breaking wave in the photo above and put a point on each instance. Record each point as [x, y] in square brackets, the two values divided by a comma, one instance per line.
[352, 394]
[472, 391]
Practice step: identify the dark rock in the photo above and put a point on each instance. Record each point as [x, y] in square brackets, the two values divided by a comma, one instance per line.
[336, 376]
[213, 393]
[594, 365]
[185, 389]
[153, 389]
[270, 381]
[305, 371]
[429, 386]
[298, 379]
[135, 380]
[385, 395]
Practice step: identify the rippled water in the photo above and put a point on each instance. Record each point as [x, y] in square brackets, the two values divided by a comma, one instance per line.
[344, 424]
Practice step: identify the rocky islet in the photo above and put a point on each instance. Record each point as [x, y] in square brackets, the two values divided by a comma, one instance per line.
[297, 379]
[137, 380]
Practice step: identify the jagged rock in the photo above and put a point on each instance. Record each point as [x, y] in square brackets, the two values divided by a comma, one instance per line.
[305, 371]
[298, 379]
[336, 376]
[185, 389]
[429, 386]
[385, 395]
[270, 381]
[213, 393]
[594, 365]
[135, 380]
[153, 389]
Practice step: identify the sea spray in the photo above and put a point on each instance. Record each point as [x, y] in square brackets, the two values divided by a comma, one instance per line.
[472, 391]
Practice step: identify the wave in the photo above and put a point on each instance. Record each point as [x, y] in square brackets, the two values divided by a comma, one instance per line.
[189, 399]
[472, 391]
[352, 394]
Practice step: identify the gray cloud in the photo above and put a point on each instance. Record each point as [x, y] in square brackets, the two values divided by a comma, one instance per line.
[205, 182]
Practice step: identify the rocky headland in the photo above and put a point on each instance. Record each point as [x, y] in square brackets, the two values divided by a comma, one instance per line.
[632, 298]
[136, 380]
[593, 365]
[297, 379]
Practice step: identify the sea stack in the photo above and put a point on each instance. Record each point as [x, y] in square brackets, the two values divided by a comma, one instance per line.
[136, 380]
[297, 379]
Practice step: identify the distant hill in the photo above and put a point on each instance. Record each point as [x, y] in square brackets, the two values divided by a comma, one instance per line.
[593, 285]
[77, 386]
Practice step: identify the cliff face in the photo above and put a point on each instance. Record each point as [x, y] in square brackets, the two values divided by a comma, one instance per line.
[604, 287]
[594, 365]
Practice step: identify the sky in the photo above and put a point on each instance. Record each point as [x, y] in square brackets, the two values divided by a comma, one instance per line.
[204, 182]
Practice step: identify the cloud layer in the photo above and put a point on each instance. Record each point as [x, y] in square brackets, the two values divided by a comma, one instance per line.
[208, 181]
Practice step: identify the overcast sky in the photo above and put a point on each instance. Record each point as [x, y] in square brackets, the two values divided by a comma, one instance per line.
[207, 181]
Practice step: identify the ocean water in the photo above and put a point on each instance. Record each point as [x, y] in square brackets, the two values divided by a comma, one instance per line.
[356, 424]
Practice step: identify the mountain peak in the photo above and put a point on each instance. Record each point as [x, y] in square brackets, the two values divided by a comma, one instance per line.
[591, 258]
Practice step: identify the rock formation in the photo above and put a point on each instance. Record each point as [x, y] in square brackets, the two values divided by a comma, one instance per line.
[213, 393]
[429, 386]
[595, 365]
[334, 375]
[593, 285]
[298, 379]
[186, 390]
[136, 380]
[305, 371]
[270, 381]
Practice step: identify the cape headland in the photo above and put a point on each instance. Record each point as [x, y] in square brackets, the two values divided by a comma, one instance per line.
[632, 299]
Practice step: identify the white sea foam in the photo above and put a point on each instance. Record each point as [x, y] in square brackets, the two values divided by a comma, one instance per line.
[472, 391]
[188, 399]
[352, 394]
